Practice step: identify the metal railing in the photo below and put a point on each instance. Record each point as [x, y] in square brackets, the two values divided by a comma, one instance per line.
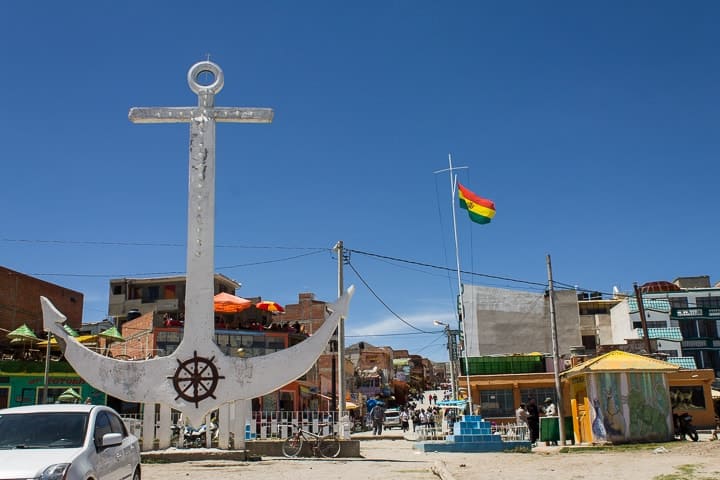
[511, 431]
[267, 425]
[260, 426]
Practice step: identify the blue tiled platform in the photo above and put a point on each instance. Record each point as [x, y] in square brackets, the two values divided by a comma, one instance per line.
[471, 434]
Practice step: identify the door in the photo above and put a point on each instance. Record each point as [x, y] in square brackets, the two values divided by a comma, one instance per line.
[108, 461]
[129, 452]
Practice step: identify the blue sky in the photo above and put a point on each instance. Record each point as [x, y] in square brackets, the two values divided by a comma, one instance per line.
[592, 125]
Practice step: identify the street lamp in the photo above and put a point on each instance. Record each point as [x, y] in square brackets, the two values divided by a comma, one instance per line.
[451, 355]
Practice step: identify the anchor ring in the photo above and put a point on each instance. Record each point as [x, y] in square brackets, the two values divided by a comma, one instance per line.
[206, 67]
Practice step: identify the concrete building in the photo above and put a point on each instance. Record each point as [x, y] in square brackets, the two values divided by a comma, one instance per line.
[683, 317]
[131, 297]
[501, 321]
[595, 321]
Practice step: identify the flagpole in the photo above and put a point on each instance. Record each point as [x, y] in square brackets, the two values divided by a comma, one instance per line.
[461, 312]
[461, 308]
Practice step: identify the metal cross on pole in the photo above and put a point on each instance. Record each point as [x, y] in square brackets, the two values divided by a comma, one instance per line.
[201, 202]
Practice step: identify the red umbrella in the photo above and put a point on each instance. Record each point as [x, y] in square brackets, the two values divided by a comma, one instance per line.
[269, 306]
[227, 303]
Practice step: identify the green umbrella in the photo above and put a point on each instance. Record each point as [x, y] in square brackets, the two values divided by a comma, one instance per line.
[22, 333]
[69, 396]
[112, 335]
[70, 331]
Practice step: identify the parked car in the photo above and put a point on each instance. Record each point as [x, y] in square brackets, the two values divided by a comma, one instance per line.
[392, 418]
[66, 442]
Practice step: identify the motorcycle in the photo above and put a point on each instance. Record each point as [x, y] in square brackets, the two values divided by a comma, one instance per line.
[684, 426]
[196, 437]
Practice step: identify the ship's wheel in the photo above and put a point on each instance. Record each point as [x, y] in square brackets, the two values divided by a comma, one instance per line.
[196, 379]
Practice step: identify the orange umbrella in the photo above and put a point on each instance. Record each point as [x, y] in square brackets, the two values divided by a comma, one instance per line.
[269, 306]
[227, 303]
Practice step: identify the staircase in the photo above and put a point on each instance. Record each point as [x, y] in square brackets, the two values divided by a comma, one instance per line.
[473, 434]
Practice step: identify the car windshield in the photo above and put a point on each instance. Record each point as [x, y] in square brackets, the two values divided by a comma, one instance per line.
[43, 430]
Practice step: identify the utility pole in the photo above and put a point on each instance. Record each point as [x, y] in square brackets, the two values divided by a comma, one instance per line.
[643, 322]
[47, 367]
[556, 357]
[341, 343]
[452, 349]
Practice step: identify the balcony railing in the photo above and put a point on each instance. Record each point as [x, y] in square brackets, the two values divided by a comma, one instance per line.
[701, 343]
[695, 313]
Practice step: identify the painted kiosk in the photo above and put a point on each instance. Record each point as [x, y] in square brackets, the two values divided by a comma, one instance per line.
[621, 397]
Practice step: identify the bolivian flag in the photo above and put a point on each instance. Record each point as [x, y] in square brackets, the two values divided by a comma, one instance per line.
[481, 210]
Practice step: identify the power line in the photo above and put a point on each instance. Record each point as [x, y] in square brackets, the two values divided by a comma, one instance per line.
[150, 244]
[394, 334]
[437, 267]
[314, 250]
[383, 303]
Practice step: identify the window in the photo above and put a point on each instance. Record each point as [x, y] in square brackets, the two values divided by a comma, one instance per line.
[286, 402]
[53, 393]
[687, 329]
[687, 398]
[102, 426]
[167, 342]
[117, 424]
[28, 396]
[708, 302]
[678, 302]
[651, 324]
[589, 342]
[497, 403]
[539, 394]
[153, 294]
[707, 328]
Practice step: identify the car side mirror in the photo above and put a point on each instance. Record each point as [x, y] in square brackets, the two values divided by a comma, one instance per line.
[110, 439]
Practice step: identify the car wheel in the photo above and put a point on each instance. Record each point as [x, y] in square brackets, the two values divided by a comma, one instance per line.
[136, 475]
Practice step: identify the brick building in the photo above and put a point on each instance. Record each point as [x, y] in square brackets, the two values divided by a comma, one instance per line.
[20, 302]
[308, 312]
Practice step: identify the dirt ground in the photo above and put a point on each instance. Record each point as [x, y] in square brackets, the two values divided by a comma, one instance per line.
[396, 460]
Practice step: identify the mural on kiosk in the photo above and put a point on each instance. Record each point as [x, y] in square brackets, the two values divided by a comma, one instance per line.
[629, 406]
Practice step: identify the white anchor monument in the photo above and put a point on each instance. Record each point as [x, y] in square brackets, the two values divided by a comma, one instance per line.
[197, 377]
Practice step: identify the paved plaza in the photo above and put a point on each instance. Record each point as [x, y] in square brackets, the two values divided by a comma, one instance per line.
[393, 458]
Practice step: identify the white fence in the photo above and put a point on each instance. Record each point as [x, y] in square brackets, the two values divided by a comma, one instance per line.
[511, 431]
[265, 425]
[164, 428]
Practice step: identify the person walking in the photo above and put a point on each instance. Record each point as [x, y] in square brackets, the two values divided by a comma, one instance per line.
[533, 421]
[404, 420]
[378, 417]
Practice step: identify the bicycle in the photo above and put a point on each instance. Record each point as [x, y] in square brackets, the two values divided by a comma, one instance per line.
[327, 446]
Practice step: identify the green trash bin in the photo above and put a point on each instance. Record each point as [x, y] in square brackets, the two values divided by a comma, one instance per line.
[549, 429]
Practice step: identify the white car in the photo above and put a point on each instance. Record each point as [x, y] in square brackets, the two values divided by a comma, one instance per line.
[392, 418]
[67, 442]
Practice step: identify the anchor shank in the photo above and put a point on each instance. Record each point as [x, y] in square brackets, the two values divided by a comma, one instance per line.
[199, 315]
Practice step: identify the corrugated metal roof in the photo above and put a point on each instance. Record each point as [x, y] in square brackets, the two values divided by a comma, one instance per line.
[619, 361]
[669, 333]
[657, 304]
[684, 362]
